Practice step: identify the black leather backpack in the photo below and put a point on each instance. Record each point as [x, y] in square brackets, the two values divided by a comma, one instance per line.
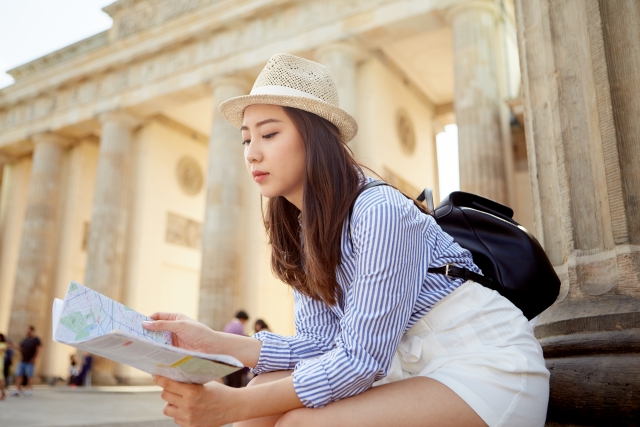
[511, 259]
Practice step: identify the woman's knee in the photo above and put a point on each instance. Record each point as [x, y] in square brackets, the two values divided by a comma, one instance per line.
[296, 418]
[269, 377]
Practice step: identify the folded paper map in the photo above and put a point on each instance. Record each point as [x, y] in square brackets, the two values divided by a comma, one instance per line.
[95, 323]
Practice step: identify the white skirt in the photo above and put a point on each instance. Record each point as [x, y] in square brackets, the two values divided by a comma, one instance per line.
[477, 343]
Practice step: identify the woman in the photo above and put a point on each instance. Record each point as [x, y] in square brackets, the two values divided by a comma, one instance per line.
[439, 352]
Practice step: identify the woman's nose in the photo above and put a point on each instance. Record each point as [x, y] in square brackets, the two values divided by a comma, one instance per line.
[252, 153]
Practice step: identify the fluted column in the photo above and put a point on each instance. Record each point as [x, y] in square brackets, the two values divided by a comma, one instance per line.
[15, 189]
[580, 62]
[221, 248]
[621, 35]
[108, 227]
[32, 291]
[477, 99]
[341, 60]
[6, 206]
[3, 160]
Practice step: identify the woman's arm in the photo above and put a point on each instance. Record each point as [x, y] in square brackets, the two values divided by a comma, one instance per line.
[316, 326]
[192, 335]
[213, 404]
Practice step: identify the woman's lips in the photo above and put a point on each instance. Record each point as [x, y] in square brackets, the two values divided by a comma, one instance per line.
[259, 176]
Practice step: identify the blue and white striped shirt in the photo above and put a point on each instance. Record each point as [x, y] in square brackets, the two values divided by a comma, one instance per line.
[341, 351]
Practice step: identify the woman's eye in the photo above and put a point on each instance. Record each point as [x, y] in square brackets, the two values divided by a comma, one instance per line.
[271, 135]
[246, 141]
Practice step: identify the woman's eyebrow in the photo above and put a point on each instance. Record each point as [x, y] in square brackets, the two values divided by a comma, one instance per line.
[264, 122]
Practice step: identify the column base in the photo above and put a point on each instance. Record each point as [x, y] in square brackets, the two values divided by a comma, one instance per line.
[595, 375]
[102, 371]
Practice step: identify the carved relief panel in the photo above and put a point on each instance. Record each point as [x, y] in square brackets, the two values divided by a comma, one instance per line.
[190, 175]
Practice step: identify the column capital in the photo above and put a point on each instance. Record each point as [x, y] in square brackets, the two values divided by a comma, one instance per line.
[123, 117]
[239, 82]
[346, 48]
[479, 5]
[50, 138]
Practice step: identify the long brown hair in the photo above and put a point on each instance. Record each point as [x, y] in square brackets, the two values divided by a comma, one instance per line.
[330, 185]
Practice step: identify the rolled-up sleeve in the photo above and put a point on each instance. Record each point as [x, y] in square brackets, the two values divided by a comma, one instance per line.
[391, 258]
[316, 329]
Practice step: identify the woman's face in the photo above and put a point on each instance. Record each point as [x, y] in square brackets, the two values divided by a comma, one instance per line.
[274, 152]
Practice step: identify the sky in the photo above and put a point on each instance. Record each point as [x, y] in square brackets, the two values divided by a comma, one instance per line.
[30, 29]
[448, 166]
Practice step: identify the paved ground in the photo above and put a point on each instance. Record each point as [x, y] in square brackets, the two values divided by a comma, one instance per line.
[61, 406]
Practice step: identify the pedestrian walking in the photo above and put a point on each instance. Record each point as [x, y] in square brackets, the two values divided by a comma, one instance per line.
[30, 349]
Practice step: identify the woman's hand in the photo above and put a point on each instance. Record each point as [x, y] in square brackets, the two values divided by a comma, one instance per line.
[186, 332]
[215, 405]
[192, 335]
[195, 405]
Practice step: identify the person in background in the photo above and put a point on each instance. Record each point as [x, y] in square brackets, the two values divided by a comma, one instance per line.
[30, 348]
[3, 350]
[236, 326]
[74, 370]
[260, 326]
[7, 362]
[84, 377]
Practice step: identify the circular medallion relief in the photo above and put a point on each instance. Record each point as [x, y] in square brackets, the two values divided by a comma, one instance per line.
[190, 176]
[406, 134]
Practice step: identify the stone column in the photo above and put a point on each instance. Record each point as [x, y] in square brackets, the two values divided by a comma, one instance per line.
[6, 287]
[341, 59]
[621, 35]
[477, 99]
[108, 227]
[32, 291]
[580, 64]
[221, 246]
[105, 251]
[13, 203]
[4, 159]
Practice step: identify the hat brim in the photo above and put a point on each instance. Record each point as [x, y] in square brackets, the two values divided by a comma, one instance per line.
[233, 110]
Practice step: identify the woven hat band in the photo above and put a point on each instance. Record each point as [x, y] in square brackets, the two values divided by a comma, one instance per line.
[281, 90]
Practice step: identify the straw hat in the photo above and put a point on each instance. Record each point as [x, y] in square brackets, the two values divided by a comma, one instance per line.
[290, 81]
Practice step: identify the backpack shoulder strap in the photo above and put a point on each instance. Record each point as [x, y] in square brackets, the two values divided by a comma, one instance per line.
[450, 270]
[367, 186]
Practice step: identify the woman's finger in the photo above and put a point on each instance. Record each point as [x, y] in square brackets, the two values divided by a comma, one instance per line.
[171, 398]
[170, 410]
[163, 325]
[174, 387]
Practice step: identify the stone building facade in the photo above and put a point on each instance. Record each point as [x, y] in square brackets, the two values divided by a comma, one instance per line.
[119, 172]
